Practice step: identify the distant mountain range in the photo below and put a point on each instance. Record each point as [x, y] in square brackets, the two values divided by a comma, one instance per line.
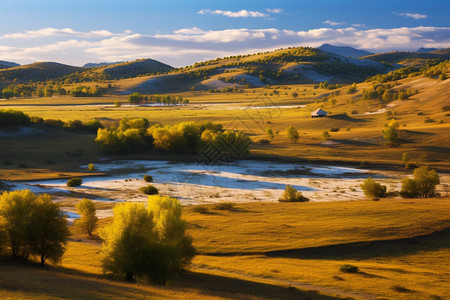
[101, 64]
[426, 50]
[7, 64]
[344, 51]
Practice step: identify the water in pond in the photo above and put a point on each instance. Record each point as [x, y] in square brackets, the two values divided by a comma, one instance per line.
[192, 183]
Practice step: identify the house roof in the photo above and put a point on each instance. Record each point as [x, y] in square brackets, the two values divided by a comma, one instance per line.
[319, 111]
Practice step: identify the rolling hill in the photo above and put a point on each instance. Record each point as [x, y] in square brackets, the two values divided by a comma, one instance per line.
[408, 58]
[294, 65]
[7, 64]
[39, 71]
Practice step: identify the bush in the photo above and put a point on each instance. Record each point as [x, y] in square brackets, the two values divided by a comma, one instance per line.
[373, 189]
[11, 118]
[326, 135]
[292, 195]
[75, 181]
[201, 209]
[349, 269]
[224, 206]
[149, 190]
[148, 178]
[91, 167]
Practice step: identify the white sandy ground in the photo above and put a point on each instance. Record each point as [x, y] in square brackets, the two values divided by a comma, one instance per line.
[246, 181]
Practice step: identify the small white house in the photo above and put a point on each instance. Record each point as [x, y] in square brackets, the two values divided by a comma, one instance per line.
[319, 113]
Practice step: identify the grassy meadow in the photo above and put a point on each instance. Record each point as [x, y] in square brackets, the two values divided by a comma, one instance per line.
[291, 251]
[263, 249]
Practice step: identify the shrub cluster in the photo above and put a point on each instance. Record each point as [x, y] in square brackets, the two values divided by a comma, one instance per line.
[11, 118]
[75, 181]
[149, 190]
[290, 194]
[422, 185]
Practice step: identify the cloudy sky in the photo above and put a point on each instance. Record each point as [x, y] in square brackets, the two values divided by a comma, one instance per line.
[181, 32]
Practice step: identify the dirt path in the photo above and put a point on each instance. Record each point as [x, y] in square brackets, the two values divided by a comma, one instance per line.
[330, 291]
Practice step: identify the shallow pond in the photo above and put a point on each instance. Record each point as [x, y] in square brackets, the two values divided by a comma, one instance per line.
[244, 181]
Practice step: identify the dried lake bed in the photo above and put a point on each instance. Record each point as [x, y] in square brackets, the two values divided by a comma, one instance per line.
[194, 183]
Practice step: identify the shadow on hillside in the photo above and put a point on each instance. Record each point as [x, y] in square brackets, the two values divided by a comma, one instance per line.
[344, 117]
[220, 286]
[37, 282]
[366, 250]
[360, 250]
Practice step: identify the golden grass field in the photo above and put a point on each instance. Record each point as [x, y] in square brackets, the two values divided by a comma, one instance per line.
[358, 134]
[262, 250]
[400, 246]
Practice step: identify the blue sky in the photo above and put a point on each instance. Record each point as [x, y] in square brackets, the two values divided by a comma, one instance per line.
[183, 32]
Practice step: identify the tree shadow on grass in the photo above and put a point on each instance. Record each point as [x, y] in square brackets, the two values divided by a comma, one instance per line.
[220, 286]
[371, 249]
[58, 282]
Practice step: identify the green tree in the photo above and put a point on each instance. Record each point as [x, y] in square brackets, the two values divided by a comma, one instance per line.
[426, 181]
[409, 188]
[34, 225]
[390, 136]
[326, 135]
[295, 95]
[48, 230]
[8, 93]
[145, 243]
[88, 219]
[269, 132]
[405, 159]
[292, 134]
[371, 188]
[15, 209]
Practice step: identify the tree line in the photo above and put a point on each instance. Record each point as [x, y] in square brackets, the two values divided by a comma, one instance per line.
[186, 137]
[162, 99]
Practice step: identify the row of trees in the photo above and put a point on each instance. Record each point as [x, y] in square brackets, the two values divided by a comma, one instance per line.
[85, 91]
[24, 90]
[164, 99]
[137, 134]
[386, 94]
[422, 185]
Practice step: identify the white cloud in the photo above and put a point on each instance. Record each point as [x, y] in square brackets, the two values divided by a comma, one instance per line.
[234, 14]
[193, 30]
[53, 32]
[274, 10]
[332, 23]
[188, 45]
[415, 16]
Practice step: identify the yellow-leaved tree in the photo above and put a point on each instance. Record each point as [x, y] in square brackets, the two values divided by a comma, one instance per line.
[147, 243]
